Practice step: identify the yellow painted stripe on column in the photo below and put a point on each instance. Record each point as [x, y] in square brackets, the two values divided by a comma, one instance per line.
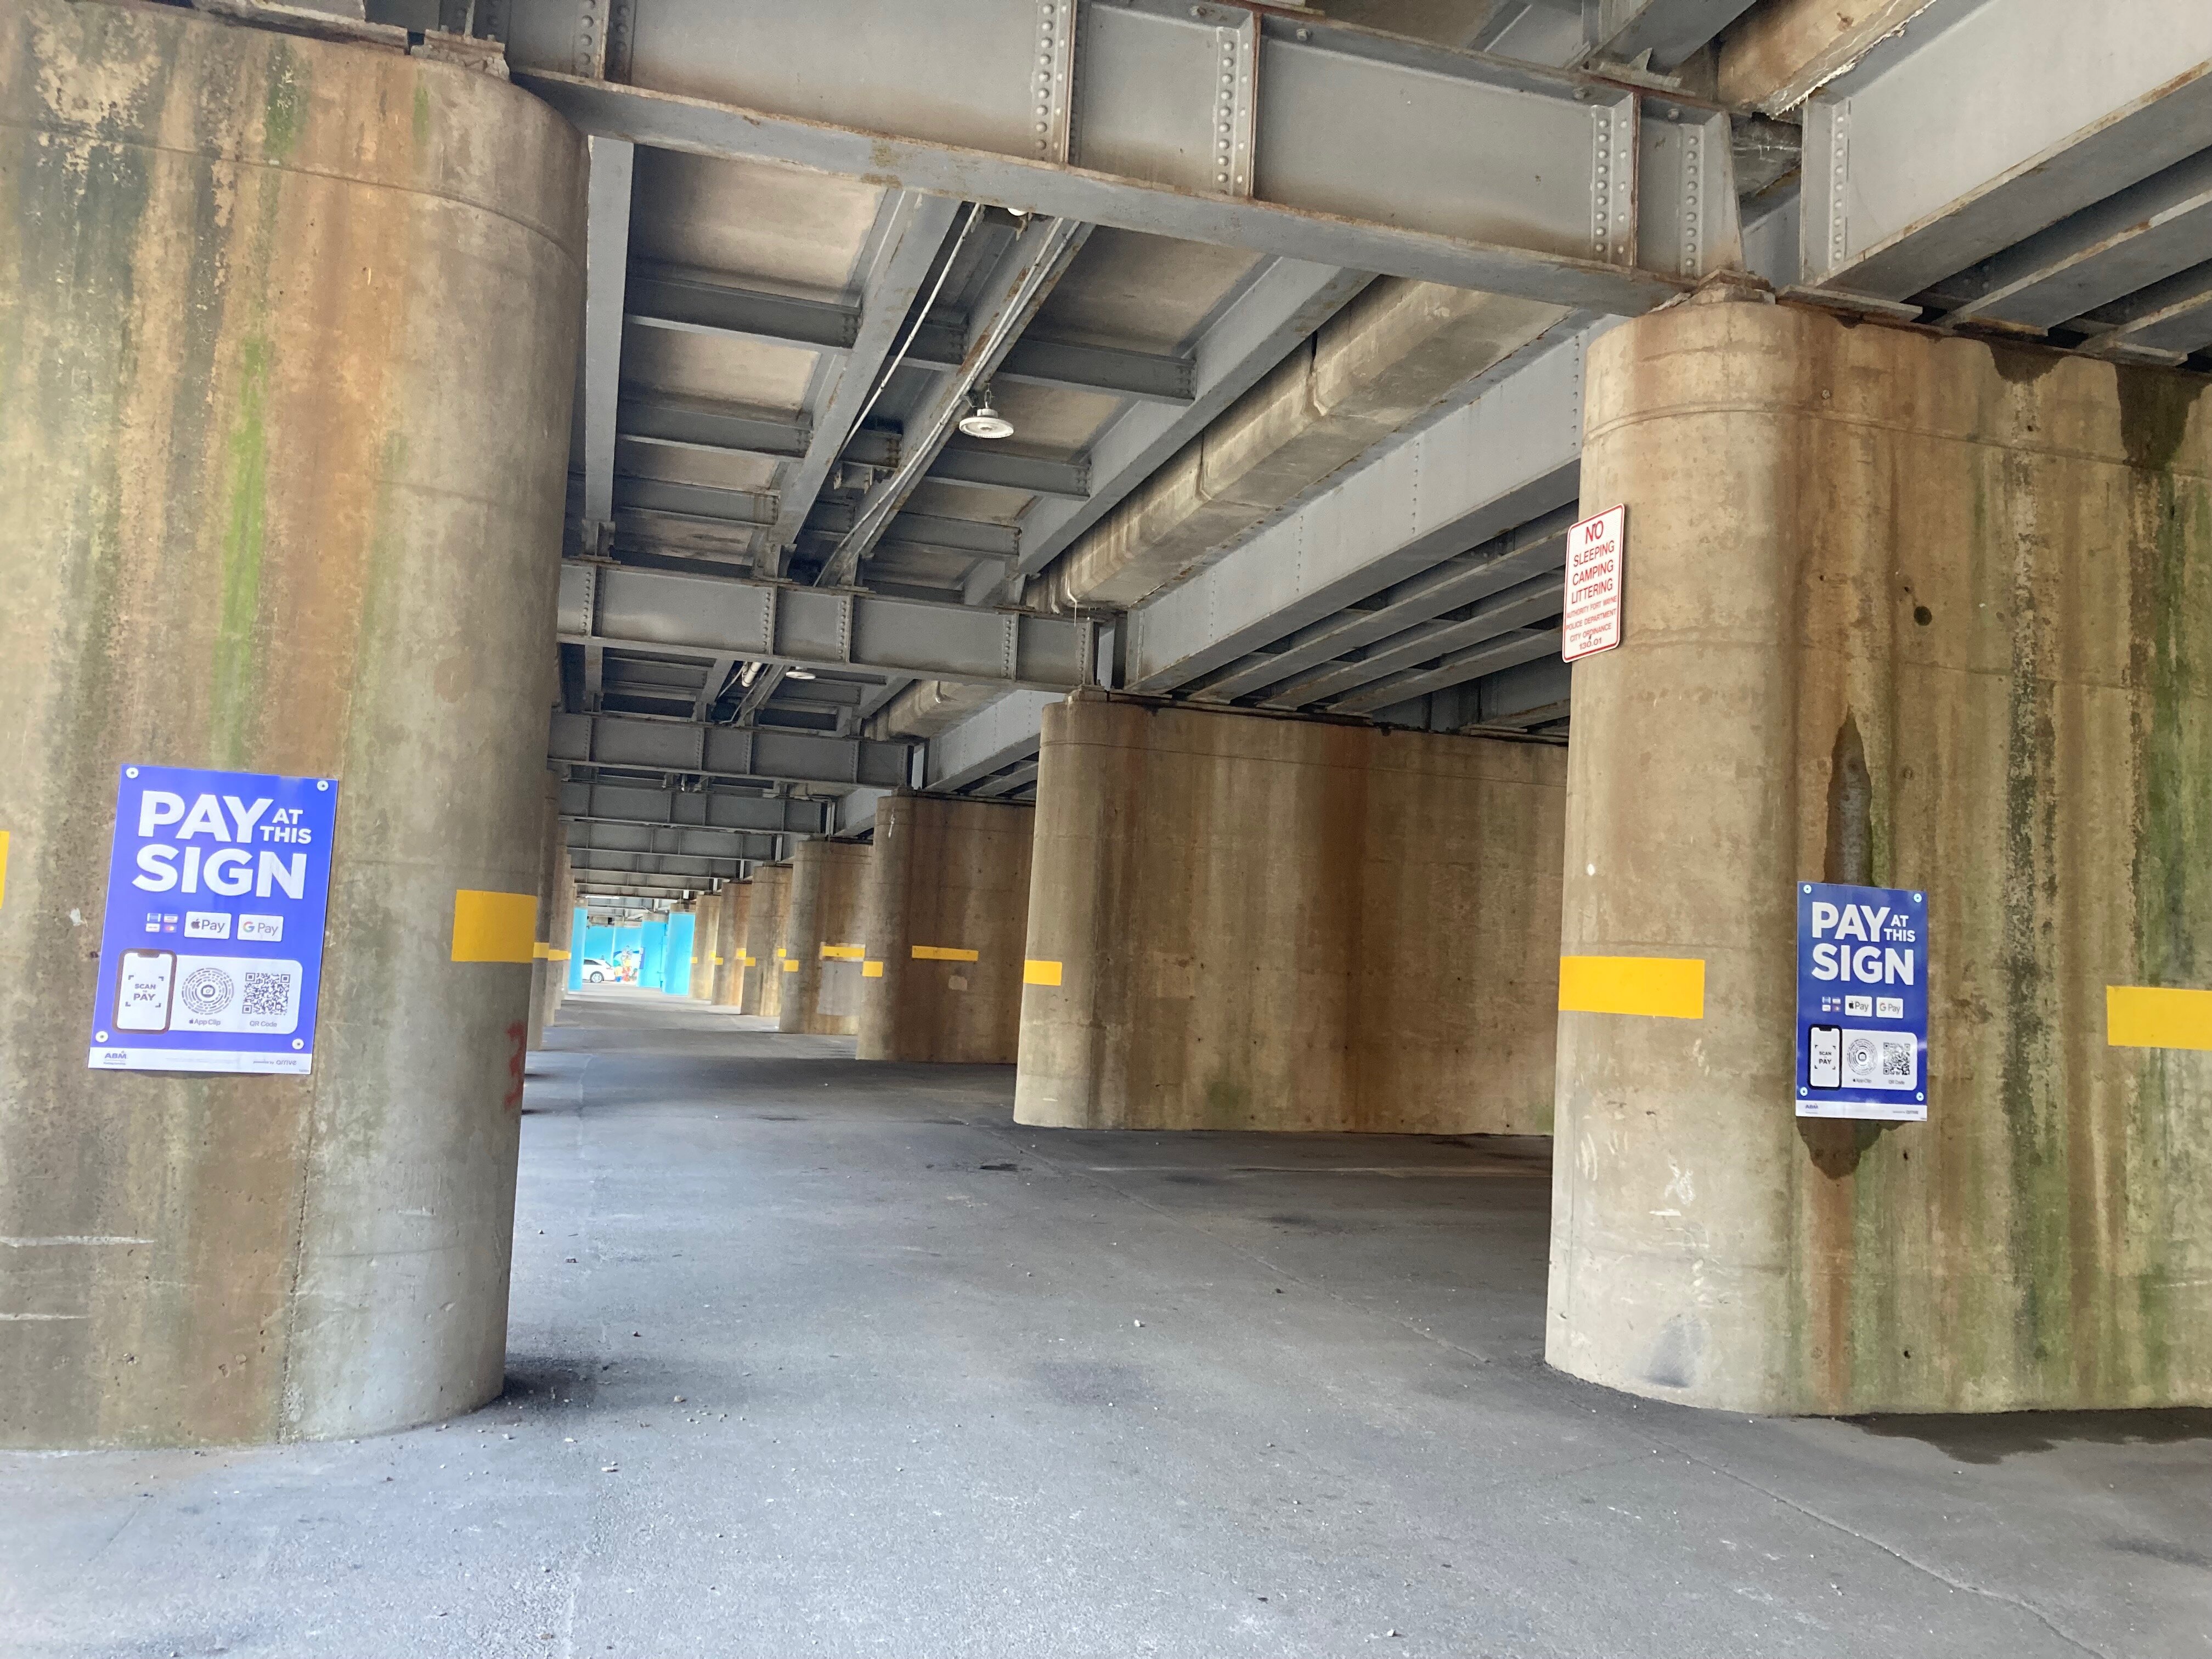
[843, 952]
[1035, 972]
[791, 964]
[494, 926]
[541, 952]
[1665, 988]
[556, 956]
[2157, 1017]
[4, 866]
[718, 962]
[942, 953]
[871, 970]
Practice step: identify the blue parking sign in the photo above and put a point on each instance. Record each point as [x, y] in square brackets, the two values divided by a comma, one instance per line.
[211, 949]
[1861, 1002]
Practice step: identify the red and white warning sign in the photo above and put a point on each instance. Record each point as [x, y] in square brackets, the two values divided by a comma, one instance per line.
[1597, 549]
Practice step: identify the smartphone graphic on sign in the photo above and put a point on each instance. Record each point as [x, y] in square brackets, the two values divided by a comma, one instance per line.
[142, 984]
[1826, 1070]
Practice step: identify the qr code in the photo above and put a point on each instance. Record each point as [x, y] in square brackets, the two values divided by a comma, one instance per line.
[1897, 1061]
[268, 995]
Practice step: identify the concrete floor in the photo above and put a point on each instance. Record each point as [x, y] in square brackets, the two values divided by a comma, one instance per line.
[811, 1357]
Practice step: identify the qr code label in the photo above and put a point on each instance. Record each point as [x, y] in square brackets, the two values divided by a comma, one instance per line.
[1881, 1059]
[268, 995]
[260, 994]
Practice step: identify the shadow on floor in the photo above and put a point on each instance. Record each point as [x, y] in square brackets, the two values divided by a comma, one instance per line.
[1993, 1439]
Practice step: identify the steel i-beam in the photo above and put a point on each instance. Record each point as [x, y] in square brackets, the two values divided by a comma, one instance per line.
[1254, 128]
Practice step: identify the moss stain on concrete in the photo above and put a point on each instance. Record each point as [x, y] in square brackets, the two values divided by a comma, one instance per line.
[2172, 867]
[284, 111]
[2033, 1088]
[245, 527]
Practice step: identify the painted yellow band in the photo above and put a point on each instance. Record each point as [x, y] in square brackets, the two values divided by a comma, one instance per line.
[2154, 1016]
[791, 964]
[1035, 972]
[1667, 987]
[844, 952]
[942, 953]
[871, 970]
[541, 952]
[494, 926]
[718, 962]
[556, 956]
[779, 953]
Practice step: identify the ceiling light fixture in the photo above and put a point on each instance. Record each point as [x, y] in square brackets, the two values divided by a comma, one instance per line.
[985, 422]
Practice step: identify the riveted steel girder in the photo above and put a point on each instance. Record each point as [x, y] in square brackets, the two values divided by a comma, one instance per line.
[661, 298]
[725, 751]
[676, 866]
[1981, 122]
[777, 623]
[1228, 123]
[729, 844]
[699, 809]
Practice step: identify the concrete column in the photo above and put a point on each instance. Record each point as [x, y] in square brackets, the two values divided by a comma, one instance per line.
[1236, 922]
[564, 937]
[946, 920]
[706, 945]
[552, 843]
[766, 915]
[1915, 612]
[735, 901]
[287, 343]
[821, 994]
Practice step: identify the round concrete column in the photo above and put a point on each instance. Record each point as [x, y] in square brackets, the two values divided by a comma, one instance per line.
[706, 945]
[1908, 613]
[1242, 922]
[946, 917]
[734, 901]
[766, 915]
[822, 936]
[286, 345]
[560, 937]
[545, 971]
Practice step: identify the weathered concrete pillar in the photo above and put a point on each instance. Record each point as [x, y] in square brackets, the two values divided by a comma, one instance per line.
[735, 901]
[945, 920]
[706, 945]
[287, 343]
[821, 939]
[552, 843]
[1906, 611]
[1237, 922]
[563, 937]
[766, 914]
